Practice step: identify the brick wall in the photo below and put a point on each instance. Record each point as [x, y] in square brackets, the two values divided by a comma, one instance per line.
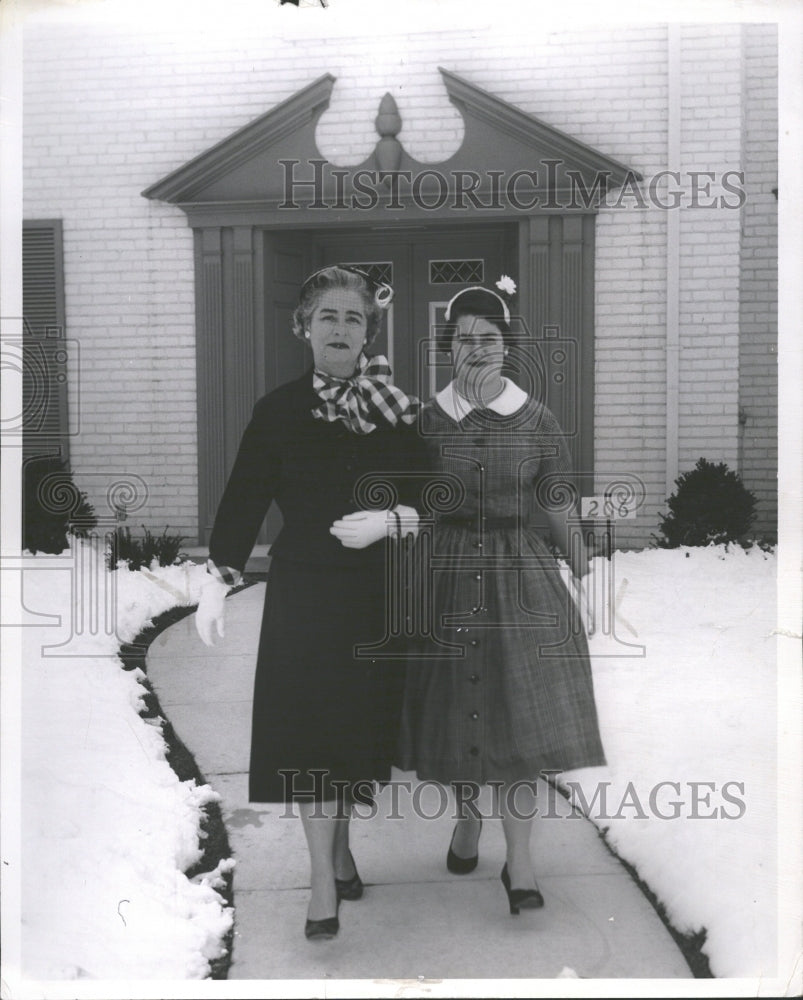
[112, 108]
[758, 301]
[711, 108]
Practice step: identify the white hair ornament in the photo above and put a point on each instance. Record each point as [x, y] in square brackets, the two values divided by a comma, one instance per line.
[506, 284]
[383, 295]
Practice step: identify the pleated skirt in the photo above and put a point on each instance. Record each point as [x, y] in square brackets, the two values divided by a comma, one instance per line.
[501, 689]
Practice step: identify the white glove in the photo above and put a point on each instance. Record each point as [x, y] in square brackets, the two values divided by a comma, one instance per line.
[408, 517]
[211, 610]
[363, 528]
[579, 591]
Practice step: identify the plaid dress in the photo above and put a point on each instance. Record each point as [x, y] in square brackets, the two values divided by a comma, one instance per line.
[499, 686]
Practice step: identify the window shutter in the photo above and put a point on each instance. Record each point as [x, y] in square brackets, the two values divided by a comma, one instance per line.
[45, 347]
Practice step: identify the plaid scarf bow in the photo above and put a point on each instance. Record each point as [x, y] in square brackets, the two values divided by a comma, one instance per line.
[364, 398]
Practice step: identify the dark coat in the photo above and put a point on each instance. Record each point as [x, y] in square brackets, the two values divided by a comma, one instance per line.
[323, 707]
[316, 472]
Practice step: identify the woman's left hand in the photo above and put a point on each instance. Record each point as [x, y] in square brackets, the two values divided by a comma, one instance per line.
[361, 529]
[585, 606]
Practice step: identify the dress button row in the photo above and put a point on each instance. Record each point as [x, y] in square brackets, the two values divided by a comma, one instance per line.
[474, 715]
[474, 642]
[474, 678]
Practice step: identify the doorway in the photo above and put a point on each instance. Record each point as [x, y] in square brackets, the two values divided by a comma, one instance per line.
[425, 269]
[249, 277]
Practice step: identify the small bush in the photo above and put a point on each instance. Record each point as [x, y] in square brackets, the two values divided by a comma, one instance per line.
[139, 552]
[710, 505]
[52, 506]
[767, 543]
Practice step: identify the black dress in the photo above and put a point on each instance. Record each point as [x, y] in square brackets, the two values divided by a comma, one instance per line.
[326, 711]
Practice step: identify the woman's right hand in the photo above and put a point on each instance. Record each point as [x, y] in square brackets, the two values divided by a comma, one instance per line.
[211, 610]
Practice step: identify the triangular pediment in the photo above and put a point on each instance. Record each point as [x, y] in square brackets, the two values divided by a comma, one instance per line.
[501, 136]
[243, 164]
[508, 161]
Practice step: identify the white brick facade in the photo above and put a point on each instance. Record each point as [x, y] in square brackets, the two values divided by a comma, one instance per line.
[110, 109]
[758, 386]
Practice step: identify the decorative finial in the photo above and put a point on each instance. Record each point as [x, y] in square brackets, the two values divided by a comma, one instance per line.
[388, 123]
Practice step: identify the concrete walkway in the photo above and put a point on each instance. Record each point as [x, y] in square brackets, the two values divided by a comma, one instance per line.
[415, 919]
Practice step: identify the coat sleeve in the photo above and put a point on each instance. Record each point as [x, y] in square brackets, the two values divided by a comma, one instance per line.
[252, 485]
[416, 462]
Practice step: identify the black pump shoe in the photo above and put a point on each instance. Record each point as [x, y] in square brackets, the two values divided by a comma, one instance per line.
[350, 888]
[458, 865]
[322, 930]
[520, 899]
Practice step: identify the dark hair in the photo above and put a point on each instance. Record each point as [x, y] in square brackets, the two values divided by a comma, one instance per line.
[337, 277]
[477, 302]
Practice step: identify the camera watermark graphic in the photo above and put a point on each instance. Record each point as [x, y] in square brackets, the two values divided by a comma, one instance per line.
[418, 626]
[40, 358]
[543, 490]
[93, 621]
[66, 532]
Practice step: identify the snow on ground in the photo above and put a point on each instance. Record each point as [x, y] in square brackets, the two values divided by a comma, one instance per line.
[108, 828]
[697, 710]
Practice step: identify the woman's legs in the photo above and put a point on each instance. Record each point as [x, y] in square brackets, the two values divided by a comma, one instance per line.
[466, 835]
[343, 862]
[326, 827]
[320, 823]
[517, 808]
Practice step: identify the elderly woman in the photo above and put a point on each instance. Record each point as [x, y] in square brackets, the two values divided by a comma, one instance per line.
[325, 714]
[516, 696]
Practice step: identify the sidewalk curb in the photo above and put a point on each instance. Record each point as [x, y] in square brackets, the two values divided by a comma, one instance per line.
[215, 838]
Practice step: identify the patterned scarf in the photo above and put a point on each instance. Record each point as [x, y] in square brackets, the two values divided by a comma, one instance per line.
[364, 398]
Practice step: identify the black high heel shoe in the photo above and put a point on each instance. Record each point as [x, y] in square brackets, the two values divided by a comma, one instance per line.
[322, 930]
[325, 929]
[458, 865]
[520, 899]
[350, 888]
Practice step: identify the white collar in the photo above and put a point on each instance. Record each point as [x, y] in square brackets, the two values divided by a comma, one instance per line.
[510, 399]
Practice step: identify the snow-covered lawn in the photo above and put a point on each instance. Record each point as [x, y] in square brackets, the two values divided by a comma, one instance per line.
[108, 829]
[698, 710]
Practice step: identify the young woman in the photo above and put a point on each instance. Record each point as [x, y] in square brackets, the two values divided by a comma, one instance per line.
[516, 698]
[325, 715]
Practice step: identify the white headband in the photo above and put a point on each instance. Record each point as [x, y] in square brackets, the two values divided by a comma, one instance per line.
[478, 288]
